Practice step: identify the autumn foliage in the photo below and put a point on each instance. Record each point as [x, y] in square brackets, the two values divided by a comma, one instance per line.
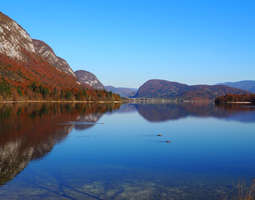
[36, 79]
[234, 98]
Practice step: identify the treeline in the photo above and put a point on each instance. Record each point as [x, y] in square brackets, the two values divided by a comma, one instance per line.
[37, 91]
[38, 80]
[234, 98]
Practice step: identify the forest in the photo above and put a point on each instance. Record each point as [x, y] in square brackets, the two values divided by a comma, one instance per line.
[235, 98]
[38, 80]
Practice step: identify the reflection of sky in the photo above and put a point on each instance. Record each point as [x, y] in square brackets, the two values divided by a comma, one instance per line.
[124, 147]
[127, 140]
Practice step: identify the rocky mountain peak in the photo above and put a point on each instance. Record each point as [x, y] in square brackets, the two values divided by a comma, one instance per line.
[14, 40]
[85, 77]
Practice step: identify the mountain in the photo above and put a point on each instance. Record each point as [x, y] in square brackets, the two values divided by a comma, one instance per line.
[21, 62]
[122, 91]
[166, 89]
[46, 52]
[90, 79]
[15, 41]
[30, 70]
[244, 85]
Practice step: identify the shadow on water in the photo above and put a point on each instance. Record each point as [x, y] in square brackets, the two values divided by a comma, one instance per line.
[30, 131]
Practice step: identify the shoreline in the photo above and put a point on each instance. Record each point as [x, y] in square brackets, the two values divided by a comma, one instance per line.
[239, 102]
[52, 101]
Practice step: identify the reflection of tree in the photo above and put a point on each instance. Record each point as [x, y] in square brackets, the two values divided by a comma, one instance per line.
[30, 131]
[165, 112]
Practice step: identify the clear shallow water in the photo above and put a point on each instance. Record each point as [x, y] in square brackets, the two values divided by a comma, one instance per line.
[102, 151]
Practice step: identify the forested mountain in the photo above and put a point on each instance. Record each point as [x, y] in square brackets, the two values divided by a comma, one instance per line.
[166, 89]
[30, 70]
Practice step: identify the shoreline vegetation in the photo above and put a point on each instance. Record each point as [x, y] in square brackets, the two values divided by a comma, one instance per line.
[227, 99]
[51, 101]
[236, 99]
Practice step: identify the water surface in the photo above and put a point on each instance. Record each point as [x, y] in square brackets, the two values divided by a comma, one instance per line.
[109, 151]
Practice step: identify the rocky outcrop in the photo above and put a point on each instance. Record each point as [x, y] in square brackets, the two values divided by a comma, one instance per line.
[46, 52]
[85, 77]
[15, 42]
[30, 70]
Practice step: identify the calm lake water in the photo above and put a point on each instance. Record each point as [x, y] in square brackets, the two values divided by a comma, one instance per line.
[104, 151]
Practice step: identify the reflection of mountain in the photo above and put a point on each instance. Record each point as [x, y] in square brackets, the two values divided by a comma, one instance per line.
[90, 120]
[165, 112]
[30, 131]
[127, 108]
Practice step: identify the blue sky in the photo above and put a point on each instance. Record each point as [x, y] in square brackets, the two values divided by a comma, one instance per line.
[127, 42]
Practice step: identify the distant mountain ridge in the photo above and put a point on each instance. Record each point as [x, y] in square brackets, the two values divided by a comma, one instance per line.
[166, 89]
[122, 91]
[248, 85]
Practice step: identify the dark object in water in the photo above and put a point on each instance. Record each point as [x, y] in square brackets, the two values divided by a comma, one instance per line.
[159, 135]
[168, 141]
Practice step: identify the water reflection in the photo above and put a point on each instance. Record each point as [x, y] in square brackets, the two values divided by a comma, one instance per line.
[166, 112]
[124, 158]
[30, 131]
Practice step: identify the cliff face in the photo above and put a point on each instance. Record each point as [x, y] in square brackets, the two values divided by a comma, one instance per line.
[85, 77]
[14, 40]
[16, 43]
[24, 61]
[46, 52]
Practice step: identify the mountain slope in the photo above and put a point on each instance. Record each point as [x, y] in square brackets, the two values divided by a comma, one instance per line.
[85, 77]
[122, 91]
[30, 70]
[46, 52]
[161, 89]
[244, 85]
[14, 40]
[166, 89]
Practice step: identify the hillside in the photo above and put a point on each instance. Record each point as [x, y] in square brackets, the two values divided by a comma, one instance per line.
[244, 85]
[173, 90]
[87, 78]
[45, 51]
[30, 70]
[122, 91]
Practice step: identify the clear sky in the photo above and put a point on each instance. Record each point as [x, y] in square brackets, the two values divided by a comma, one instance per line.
[127, 42]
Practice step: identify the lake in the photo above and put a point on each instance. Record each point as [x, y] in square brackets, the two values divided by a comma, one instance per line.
[131, 151]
